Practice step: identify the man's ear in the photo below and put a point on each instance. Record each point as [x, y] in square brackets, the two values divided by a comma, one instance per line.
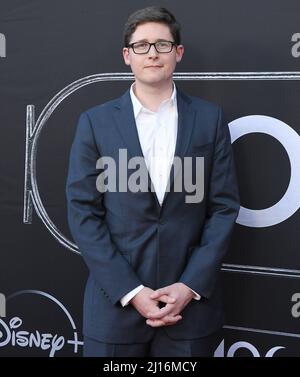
[179, 53]
[126, 55]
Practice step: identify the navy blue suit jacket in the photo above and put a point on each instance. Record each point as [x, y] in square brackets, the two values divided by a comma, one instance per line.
[128, 239]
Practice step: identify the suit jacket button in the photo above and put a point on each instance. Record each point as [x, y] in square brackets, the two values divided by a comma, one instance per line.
[161, 221]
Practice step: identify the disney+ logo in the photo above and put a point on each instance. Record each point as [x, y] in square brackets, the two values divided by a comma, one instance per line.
[16, 333]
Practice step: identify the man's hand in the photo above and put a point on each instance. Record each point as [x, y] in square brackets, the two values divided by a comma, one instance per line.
[144, 304]
[167, 315]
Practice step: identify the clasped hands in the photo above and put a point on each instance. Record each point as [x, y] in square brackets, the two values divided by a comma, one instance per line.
[175, 296]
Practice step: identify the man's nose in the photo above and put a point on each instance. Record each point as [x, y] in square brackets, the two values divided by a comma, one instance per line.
[152, 51]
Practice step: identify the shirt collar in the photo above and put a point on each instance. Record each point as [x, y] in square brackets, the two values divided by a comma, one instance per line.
[137, 106]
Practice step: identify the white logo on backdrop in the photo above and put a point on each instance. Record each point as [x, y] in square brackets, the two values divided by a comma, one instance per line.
[13, 330]
[250, 349]
[290, 140]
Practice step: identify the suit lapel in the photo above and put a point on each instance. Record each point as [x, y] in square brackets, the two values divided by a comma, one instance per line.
[186, 120]
[186, 117]
[126, 125]
[127, 128]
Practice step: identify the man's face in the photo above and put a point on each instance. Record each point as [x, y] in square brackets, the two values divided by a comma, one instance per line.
[153, 68]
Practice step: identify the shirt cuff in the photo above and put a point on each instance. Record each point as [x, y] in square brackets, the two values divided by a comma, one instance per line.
[125, 299]
[196, 297]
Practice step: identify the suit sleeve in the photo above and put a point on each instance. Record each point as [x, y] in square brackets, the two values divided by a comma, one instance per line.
[205, 262]
[86, 217]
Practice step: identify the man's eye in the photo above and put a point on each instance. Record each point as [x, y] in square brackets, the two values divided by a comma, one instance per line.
[162, 44]
[141, 45]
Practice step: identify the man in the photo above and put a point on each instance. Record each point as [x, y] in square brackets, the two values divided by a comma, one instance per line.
[154, 255]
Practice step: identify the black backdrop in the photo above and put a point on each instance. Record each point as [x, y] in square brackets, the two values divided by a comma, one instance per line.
[240, 54]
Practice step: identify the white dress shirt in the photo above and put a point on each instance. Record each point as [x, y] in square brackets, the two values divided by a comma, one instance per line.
[157, 133]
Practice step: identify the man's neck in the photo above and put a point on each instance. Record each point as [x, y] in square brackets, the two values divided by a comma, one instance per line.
[152, 96]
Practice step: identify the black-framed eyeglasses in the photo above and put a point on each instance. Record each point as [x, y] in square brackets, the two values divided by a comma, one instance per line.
[143, 47]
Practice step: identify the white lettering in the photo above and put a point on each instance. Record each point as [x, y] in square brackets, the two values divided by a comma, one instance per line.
[23, 338]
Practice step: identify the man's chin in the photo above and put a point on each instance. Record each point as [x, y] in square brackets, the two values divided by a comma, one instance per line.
[154, 80]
